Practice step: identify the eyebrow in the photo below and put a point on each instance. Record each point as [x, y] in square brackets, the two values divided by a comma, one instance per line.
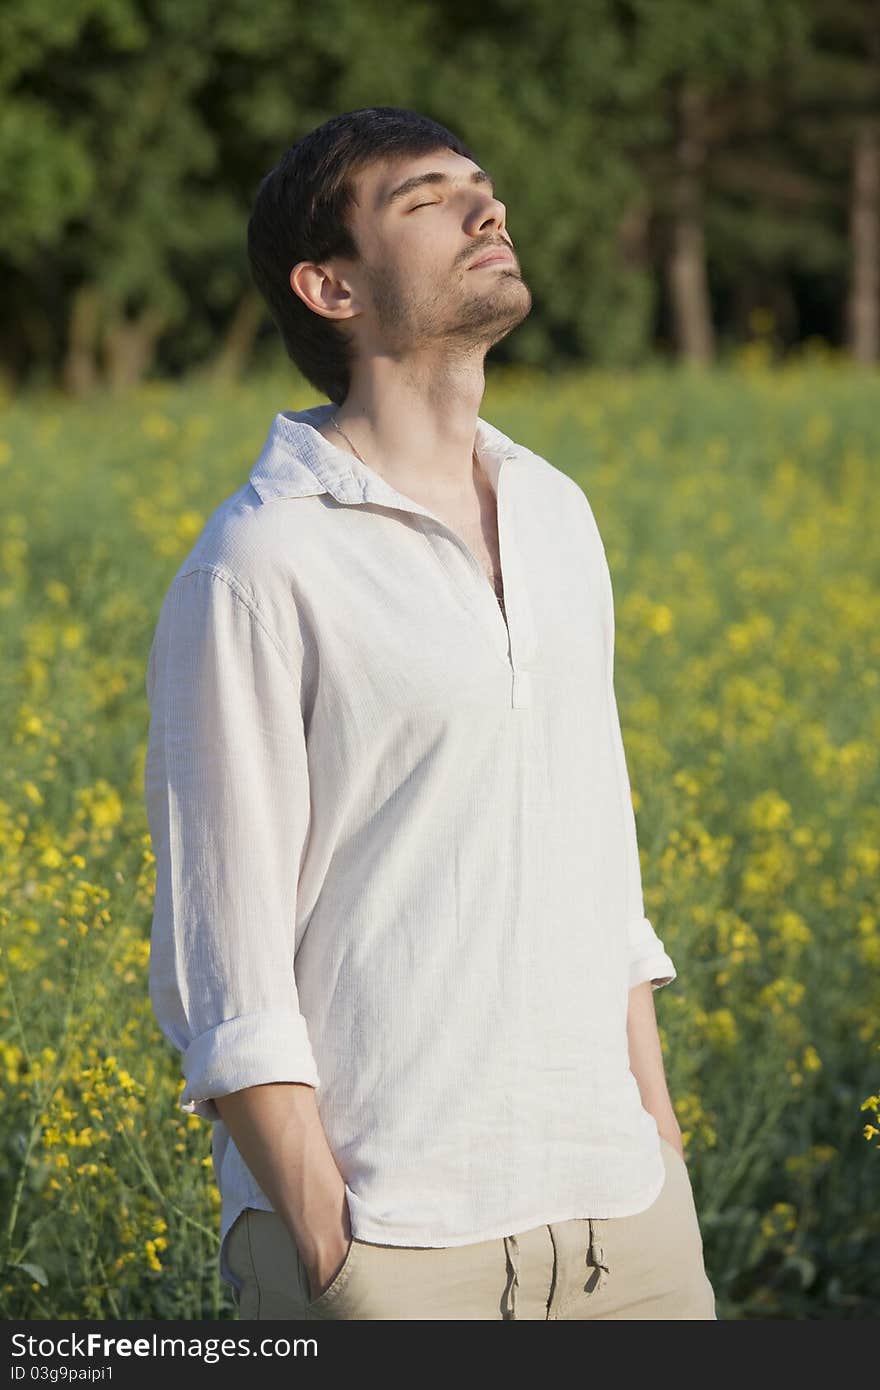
[478, 176]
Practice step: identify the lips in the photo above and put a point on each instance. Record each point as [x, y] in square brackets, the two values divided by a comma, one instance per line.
[491, 257]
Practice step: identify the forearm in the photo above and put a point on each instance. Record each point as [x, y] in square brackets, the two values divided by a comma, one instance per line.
[278, 1132]
[646, 1061]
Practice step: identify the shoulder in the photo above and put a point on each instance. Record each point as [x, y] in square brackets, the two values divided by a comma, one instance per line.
[265, 547]
[243, 538]
[237, 564]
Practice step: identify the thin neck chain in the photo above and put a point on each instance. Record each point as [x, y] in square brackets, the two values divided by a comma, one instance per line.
[336, 425]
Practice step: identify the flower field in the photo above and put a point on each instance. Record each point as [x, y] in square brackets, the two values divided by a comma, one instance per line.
[740, 511]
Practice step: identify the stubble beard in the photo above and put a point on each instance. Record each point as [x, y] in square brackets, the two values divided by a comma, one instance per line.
[476, 320]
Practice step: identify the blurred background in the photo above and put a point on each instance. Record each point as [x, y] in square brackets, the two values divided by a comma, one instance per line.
[679, 176]
[693, 190]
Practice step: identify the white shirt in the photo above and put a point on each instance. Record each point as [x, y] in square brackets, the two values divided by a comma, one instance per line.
[395, 843]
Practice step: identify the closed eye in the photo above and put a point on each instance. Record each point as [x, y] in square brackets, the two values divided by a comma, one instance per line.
[424, 205]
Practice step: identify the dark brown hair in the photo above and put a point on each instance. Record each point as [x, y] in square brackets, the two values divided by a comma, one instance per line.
[300, 213]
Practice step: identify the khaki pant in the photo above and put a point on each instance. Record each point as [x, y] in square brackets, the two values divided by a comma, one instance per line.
[645, 1266]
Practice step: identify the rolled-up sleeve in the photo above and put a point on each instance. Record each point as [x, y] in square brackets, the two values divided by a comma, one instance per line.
[227, 795]
[647, 958]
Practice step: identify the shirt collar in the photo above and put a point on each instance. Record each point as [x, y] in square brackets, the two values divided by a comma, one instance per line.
[297, 461]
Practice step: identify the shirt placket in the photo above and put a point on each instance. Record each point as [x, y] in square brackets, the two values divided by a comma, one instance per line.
[513, 638]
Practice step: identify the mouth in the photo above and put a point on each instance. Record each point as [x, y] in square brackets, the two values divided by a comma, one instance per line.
[493, 258]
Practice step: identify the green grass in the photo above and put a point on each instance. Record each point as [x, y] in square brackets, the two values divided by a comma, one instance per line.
[739, 511]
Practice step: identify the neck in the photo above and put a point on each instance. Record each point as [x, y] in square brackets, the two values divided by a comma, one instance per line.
[416, 433]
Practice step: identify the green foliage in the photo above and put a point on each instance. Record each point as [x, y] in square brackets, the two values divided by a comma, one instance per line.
[133, 134]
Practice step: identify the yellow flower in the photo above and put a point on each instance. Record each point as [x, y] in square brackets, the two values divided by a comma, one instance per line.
[660, 619]
[811, 1058]
[781, 1219]
[769, 811]
[156, 426]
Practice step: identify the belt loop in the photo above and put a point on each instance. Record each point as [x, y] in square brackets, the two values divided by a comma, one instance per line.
[596, 1261]
[511, 1250]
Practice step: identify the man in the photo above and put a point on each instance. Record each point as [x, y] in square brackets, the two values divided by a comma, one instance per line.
[399, 934]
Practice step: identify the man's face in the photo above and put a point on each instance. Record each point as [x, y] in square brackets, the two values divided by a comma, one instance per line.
[416, 285]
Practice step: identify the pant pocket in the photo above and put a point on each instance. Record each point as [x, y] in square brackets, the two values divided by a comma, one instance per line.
[239, 1257]
[316, 1307]
[403, 1282]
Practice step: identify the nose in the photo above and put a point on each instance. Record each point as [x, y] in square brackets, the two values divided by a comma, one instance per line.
[493, 213]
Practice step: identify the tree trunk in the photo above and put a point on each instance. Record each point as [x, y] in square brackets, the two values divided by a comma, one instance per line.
[130, 347]
[79, 370]
[687, 278]
[863, 304]
[633, 234]
[238, 340]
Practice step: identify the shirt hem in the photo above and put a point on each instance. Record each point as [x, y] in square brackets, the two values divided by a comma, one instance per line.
[371, 1235]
